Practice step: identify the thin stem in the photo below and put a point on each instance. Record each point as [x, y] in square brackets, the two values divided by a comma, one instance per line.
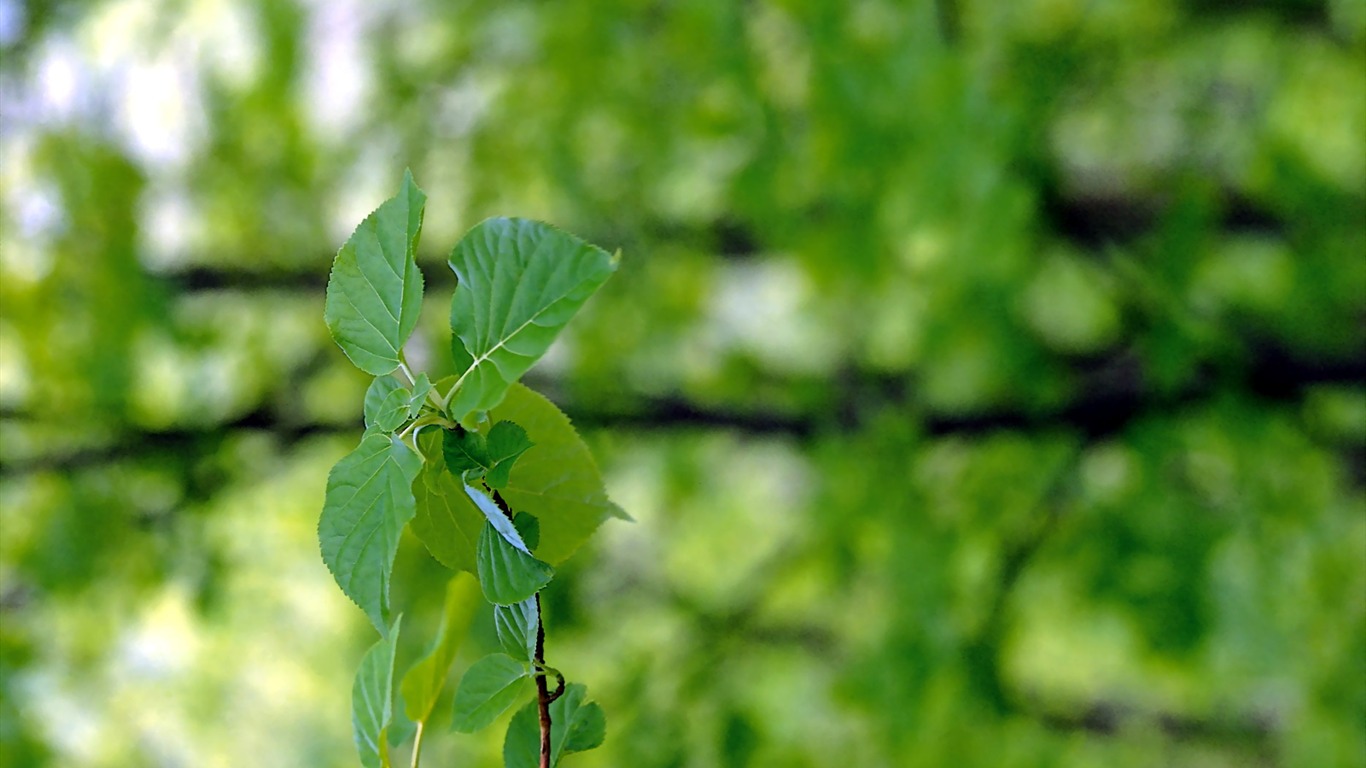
[543, 697]
[417, 743]
[435, 400]
[426, 421]
[407, 372]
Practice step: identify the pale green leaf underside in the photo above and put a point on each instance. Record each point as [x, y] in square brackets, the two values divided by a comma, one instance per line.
[574, 727]
[372, 700]
[369, 500]
[374, 292]
[490, 686]
[497, 519]
[556, 480]
[519, 282]
[423, 683]
[507, 574]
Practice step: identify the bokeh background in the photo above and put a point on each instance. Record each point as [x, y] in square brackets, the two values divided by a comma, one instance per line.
[987, 379]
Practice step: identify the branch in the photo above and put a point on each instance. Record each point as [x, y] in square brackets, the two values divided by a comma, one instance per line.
[179, 441]
[1113, 399]
[1083, 218]
[543, 697]
[1106, 718]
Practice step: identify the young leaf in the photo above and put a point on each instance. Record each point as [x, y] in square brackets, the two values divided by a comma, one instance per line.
[574, 727]
[519, 282]
[372, 700]
[423, 682]
[556, 481]
[465, 450]
[393, 410]
[375, 289]
[472, 455]
[506, 442]
[489, 687]
[529, 528]
[507, 574]
[369, 500]
[379, 389]
[516, 626]
[421, 388]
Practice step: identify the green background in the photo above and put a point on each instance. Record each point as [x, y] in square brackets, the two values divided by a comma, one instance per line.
[985, 378]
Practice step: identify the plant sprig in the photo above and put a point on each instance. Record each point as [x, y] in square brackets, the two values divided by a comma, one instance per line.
[503, 487]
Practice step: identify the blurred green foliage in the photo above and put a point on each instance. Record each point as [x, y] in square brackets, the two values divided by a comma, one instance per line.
[985, 379]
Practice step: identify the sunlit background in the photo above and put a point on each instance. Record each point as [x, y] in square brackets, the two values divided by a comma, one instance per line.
[987, 379]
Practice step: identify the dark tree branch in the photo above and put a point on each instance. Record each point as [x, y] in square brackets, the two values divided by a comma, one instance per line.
[181, 441]
[1112, 398]
[1094, 220]
[1110, 403]
[1085, 219]
[1105, 718]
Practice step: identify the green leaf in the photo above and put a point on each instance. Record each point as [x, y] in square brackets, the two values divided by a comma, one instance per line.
[375, 290]
[507, 574]
[388, 404]
[423, 683]
[519, 282]
[574, 727]
[393, 411]
[372, 700]
[506, 442]
[516, 625]
[587, 730]
[465, 451]
[522, 744]
[471, 455]
[375, 396]
[529, 528]
[369, 500]
[489, 687]
[421, 388]
[556, 481]
[447, 522]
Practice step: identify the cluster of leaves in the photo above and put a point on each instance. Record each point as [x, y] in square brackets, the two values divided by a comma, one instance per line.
[490, 475]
